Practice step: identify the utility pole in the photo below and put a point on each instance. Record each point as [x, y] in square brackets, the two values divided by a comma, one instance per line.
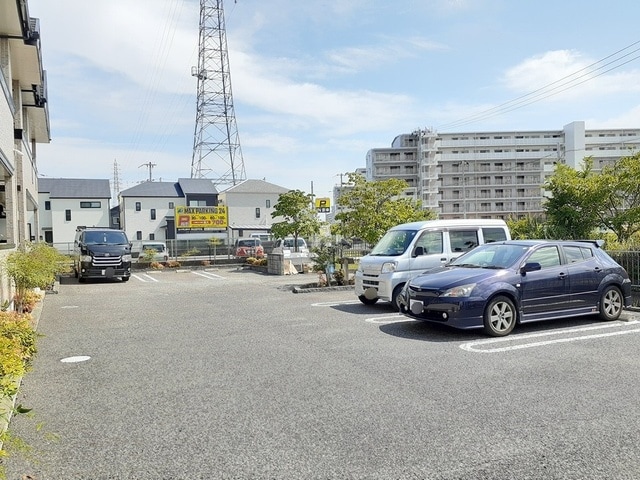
[216, 144]
[150, 167]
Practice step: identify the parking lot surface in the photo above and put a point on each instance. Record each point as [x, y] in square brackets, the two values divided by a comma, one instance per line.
[225, 373]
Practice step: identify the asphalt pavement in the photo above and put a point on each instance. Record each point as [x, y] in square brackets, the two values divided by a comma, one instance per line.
[226, 373]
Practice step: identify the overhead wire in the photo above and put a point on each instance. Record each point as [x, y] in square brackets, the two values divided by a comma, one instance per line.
[553, 88]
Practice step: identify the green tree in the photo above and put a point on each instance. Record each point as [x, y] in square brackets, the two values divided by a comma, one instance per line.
[368, 209]
[300, 218]
[570, 209]
[33, 265]
[583, 200]
[615, 197]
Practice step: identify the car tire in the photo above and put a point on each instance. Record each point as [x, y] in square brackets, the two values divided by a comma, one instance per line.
[367, 301]
[125, 279]
[611, 303]
[395, 297]
[81, 279]
[500, 317]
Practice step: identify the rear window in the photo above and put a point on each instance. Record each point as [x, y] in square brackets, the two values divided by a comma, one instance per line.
[158, 247]
[253, 242]
[494, 235]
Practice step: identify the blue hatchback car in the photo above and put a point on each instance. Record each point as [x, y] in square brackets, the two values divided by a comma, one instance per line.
[497, 285]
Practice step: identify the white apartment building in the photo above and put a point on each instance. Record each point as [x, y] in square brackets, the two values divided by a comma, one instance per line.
[492, 174]
[24, 123]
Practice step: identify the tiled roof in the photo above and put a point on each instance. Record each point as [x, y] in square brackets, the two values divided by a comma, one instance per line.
[256, 186]
[74, 187]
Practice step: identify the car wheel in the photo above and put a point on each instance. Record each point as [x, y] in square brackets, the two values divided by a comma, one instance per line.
[125, 279]
[499, 317]
[81, 279]
[395, 297]
[611, 303]
[367, 301]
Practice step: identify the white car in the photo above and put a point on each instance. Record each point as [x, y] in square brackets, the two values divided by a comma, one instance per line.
[285, 246]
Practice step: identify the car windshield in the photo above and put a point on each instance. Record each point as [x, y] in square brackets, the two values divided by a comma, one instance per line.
[394, 242]
[158, 247]
[105, 238]
[491, 255]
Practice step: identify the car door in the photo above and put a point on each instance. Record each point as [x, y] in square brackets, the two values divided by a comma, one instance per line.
[585, 273]
[428, 251]
[546, 290]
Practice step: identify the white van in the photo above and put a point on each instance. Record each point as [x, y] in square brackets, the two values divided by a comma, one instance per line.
[160, 252]
[411, 248]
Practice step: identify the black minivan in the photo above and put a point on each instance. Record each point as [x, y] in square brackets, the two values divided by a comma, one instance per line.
[100, 252]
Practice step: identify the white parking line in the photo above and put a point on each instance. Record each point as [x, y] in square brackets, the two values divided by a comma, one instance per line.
[144, 277]
[397, 318]
[333, 304]
[208, 275]
[472, 346]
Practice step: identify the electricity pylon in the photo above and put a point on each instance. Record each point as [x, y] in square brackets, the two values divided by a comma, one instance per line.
[216, 144]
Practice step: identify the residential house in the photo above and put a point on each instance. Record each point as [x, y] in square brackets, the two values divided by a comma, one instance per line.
[24, 123]
[66, 203]
[147, 211]
[250, 204]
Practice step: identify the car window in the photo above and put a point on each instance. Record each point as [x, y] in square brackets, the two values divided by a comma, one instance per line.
[546, 256]
[493, 234]
[431, 242]
[577, 254]
[463, 240]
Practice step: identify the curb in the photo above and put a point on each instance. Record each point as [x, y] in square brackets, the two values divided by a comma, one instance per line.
[303, 289]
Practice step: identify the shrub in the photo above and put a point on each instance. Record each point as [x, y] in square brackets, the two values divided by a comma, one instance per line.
[173, 264]
[17, 349]
[156, 265]
[33, 265]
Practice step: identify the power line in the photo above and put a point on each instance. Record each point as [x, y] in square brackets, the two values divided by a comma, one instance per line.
[558, 86]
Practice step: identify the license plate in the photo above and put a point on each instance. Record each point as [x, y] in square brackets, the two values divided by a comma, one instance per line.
[416, 306]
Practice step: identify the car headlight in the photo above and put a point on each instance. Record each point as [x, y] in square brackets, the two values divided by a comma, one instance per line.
[388, 267]
[85, 258]
[461, 291]
[126, 258]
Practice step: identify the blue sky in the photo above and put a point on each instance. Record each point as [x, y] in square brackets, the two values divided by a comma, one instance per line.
[317, 83]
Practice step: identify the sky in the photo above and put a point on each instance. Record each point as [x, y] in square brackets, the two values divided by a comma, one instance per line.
[318, 83]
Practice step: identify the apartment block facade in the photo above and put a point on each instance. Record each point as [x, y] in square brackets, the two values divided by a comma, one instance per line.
[492, 174]
[24, 123]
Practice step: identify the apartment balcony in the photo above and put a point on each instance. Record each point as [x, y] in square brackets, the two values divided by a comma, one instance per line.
[25, 54]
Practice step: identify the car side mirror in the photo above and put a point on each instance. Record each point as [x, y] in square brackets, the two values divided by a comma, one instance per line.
[530, 267]
[418, 251]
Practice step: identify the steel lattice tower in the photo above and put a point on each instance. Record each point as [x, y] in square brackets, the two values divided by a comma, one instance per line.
[216, 144]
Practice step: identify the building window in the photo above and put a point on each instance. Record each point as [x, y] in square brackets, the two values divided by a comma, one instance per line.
[153, 214]
[139, 235]
[268, 203]
[138, 208]
[90, 204]
[152, 236]
[67, 215]
[257, 212]
[47, 205]
[115, 220]
[171, 205]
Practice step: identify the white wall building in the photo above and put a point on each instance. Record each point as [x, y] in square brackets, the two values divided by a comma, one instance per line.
[66, 203]
[250, 205]
[492, 174]
[24, 122]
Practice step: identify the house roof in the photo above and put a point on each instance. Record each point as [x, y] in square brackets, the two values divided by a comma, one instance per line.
[256, 186]
[197, 186]
[153, 189]
[74, 187]
[179, 189]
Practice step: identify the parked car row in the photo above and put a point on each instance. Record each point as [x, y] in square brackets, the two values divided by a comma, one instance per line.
[493, 284]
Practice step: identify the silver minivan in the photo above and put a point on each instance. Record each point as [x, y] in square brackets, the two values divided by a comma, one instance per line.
[411, 248]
